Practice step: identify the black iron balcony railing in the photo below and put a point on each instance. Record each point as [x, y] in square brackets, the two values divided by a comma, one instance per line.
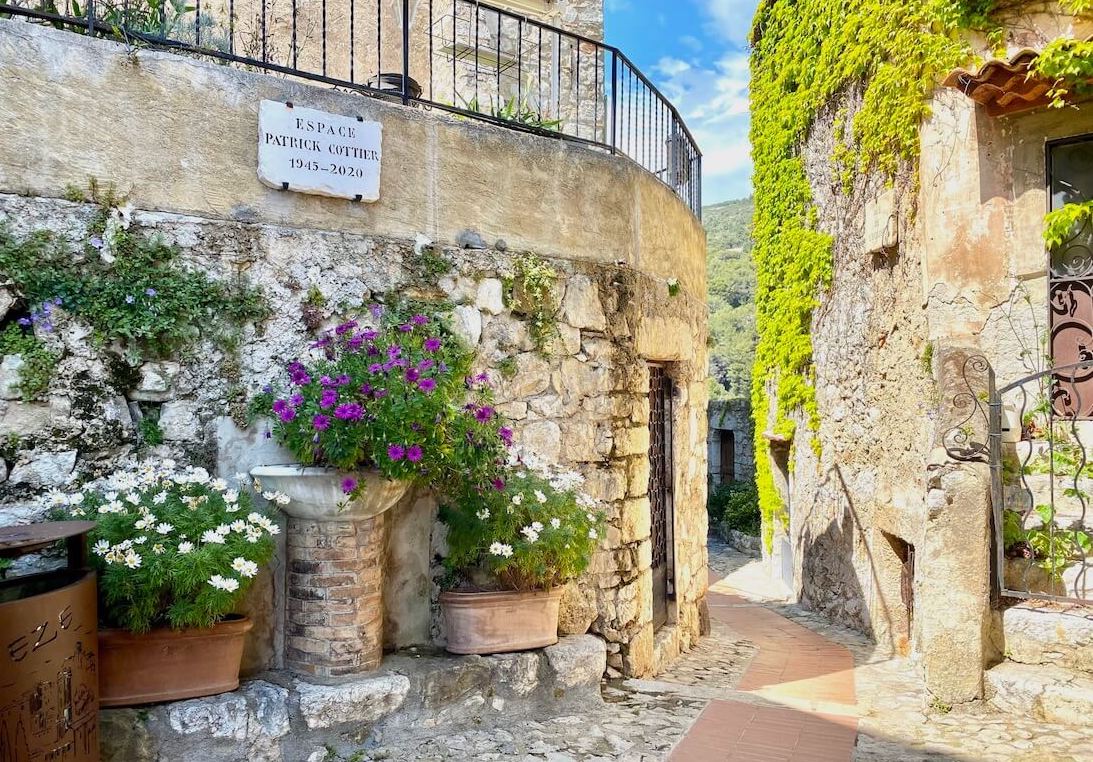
[461, 56]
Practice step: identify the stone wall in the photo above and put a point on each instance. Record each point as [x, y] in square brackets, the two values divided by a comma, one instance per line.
[614, 235]
[944, 263]
[731, 416]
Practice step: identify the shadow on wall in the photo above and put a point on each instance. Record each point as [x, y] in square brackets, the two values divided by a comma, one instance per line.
[830, 583]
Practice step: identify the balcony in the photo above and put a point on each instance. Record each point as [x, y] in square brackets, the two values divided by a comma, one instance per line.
[460, 56]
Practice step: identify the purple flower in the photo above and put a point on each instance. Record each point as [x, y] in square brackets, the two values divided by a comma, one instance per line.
[366, 388]
[499, 484]
[506, 435]
[373, 350]
[96, 242]
[320, 422]
[375, 368]
[323, 342]
[419, 320]
[149, 292]
[280, 406]
[413, 374]
[406, 328]
[345, 327]
[414, 454]
[267, 434]
[376, 310]
[288, 415]
[370, 335]
[355, 343]
[394, 351]
[425, 364]
[348, 484]
[432, 345]
[396, 452]
[379, 394]
[326, 381]
[25, 322]
[342, 380]
[58, 301]
[328, 398]
[296, 399]
[351, 411]
[298, 374]
[427, 385]
[129, 299]
[484, 414]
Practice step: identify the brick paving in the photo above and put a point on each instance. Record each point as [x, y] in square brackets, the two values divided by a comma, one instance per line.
[773, 682]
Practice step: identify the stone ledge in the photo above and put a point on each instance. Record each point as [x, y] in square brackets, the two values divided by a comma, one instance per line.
[282, 718]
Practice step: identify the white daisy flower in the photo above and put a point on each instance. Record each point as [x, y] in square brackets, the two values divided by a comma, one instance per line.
[164, 528]
[160, 498]
[530, 533]
[517, 499]
[219, 485]
[213, 537]
[158, 549]
[231, 496]
[132, 559]
[140, 540]
[500, 549]
[239, 525]
[555, 522]
[592, 534]
[185, 547]
[133, 498]
[100, 548]
[245, 567]
[540, 497]
[483, 514]
[75, 498]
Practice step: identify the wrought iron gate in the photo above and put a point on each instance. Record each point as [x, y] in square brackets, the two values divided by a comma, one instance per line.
[1041, 477]
[660, 491]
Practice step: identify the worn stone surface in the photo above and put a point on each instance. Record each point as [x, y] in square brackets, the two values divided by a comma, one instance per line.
[43, 469]
[364, 700]
[11, 376]
[583, 405]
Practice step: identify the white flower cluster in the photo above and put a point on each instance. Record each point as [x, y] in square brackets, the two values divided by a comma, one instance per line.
[143, 488]
[500, 549]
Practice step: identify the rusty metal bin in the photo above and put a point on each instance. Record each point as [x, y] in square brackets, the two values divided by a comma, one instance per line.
[49, 689]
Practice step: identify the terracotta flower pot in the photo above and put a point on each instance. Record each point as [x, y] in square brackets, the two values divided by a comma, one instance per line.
[166, 665]
[498, 622]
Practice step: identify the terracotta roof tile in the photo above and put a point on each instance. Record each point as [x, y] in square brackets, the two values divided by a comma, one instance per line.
[1003, 86]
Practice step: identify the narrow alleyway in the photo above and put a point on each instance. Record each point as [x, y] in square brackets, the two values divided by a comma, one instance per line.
[773, 682]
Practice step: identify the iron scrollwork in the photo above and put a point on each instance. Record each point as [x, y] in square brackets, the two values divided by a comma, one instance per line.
[960, 440]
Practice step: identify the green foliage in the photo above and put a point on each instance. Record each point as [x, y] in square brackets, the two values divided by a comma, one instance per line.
[1054, 549]
[5, 564]
[1068, 64]
[735, 505]
[1063, 223]
[535, 533]
[393, 398]
[518, 111]
[804, 54]
[171, 546]
[731, 278]
[532, 293]
[128, 288]
[927, 359]
[151, 435]
[39, 362]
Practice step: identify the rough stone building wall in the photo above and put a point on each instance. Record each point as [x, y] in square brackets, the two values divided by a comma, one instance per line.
[731, 416]
[583, 404]
[927, 273]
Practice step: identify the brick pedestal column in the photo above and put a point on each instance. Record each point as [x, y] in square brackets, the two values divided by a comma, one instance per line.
[335, 595]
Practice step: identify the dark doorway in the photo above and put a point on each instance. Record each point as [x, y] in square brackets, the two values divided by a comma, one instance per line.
[728, 456]
[660, 491]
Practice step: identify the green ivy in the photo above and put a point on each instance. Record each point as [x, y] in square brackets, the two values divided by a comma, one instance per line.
[39, 361]
[532, 292]
[804, 55]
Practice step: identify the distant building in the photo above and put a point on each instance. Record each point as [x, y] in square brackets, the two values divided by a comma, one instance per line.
[730, 448]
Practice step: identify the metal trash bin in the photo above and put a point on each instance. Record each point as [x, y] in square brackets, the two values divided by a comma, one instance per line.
[49, 680]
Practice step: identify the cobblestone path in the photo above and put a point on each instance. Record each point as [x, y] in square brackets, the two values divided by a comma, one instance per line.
[773, 682]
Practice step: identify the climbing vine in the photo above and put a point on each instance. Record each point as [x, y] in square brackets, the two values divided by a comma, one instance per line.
[805, 54]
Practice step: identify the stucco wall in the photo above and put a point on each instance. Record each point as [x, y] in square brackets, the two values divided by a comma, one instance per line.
[178, 137]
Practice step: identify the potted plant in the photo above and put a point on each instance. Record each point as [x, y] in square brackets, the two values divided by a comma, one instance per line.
[377, 408]
[175, 550]
[510, 550]
[380, 407]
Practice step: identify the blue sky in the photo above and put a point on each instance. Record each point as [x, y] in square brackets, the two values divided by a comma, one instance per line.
[696, 53]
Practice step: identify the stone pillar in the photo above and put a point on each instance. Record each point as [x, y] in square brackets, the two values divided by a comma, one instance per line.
[335, 595]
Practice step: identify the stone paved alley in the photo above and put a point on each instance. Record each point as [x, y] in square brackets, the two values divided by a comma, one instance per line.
[773, 682]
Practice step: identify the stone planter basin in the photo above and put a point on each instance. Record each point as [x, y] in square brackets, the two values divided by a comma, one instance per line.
[315, 493]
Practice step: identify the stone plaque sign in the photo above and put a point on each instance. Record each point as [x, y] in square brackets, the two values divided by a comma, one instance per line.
[309, 151]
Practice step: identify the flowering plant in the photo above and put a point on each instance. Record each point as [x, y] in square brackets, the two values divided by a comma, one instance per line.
[392, 396]
[538, 531]
[172, 546]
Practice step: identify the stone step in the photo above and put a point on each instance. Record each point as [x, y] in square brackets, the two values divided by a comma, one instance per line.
[1048, 693]
[1060, 636]
[285, 718]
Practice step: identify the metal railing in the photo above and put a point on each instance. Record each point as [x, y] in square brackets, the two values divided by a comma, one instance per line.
[462, 56]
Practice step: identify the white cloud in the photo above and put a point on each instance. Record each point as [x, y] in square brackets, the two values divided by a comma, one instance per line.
[730, 19]
[672, 67]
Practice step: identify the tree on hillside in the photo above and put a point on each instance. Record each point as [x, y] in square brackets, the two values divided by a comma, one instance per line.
[731, 294]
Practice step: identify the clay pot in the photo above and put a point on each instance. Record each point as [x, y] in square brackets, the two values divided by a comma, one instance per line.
[167, 665]
[499, 622]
